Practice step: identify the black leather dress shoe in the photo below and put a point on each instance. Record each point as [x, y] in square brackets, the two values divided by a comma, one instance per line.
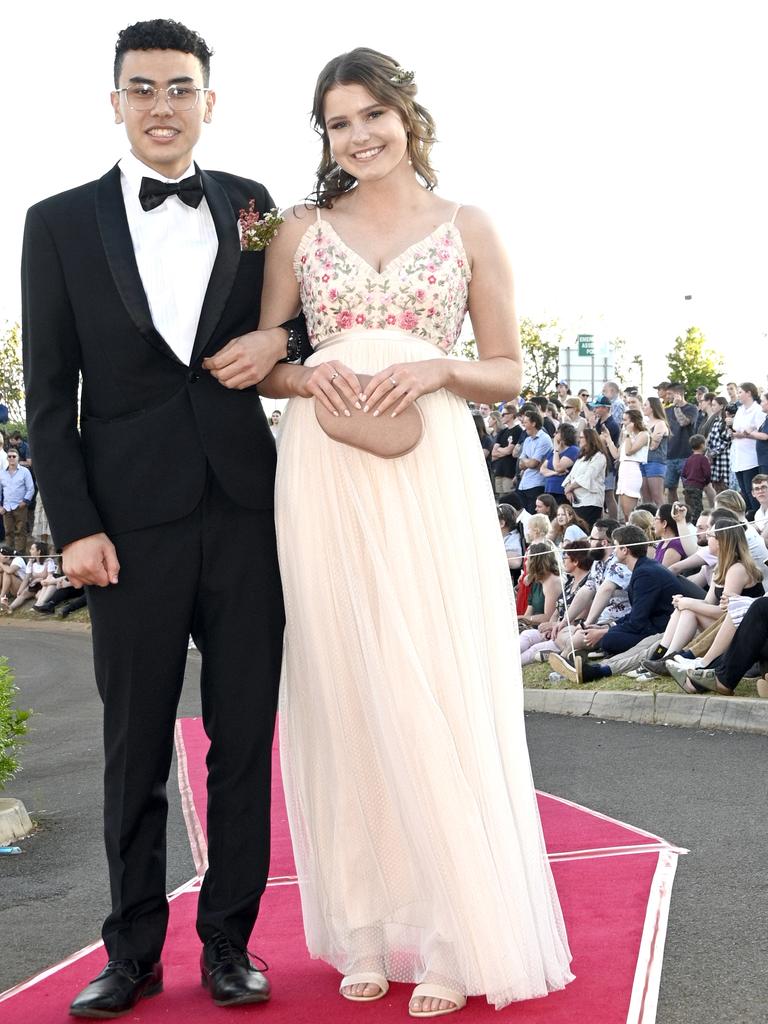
[229, 975]
[117, 989]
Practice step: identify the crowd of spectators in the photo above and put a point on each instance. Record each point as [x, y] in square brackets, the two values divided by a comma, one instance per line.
[662, 581]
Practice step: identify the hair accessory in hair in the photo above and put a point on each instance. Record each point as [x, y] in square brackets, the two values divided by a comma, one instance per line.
[402, 77]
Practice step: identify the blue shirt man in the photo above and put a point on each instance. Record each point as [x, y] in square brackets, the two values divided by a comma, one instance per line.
[16, 485]
[535, 448]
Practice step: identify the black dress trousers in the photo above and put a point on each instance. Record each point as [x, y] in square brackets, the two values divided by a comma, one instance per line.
[213, 575]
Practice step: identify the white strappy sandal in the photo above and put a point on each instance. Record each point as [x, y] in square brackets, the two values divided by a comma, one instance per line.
[364, 978]
[428, 991]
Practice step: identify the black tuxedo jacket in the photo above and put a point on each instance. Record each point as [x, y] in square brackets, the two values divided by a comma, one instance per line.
[149, 425]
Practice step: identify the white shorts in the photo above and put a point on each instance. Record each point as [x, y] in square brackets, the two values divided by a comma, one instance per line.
[630, 480]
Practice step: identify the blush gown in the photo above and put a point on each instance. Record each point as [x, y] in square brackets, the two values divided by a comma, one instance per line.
[417, 838]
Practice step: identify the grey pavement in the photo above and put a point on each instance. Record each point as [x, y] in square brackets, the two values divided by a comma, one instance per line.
[702, 789]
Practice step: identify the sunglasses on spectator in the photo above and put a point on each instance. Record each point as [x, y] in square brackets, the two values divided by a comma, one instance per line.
[13, 456]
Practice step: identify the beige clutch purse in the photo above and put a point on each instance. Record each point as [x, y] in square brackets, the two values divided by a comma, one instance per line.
[378, 435]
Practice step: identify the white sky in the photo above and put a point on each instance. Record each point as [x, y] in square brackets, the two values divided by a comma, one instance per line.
[620, 147]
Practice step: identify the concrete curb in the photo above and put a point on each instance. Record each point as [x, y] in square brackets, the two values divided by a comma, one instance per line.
[733, 714]
[14, 821]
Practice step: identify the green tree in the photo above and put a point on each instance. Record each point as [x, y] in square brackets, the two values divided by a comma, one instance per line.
[11, 371]
[540, 343]
[693, 362]
[13, 725]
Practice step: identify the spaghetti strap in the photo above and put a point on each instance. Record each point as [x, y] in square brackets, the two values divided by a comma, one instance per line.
[317, 213]
[453, 218]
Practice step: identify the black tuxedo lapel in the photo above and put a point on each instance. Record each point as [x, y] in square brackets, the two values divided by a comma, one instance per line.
[225, 266]
[116, 239]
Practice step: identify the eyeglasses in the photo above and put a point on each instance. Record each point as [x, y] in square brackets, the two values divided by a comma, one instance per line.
[143, 96]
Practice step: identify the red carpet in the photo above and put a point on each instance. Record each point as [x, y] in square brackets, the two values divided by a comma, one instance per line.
[614, 883]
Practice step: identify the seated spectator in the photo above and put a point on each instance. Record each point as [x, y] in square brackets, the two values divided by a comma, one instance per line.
[670, 550]
[559, 461]
[567, 526]
[546, 505]
[644, 519]
[37, 568]
[735, 574]
[650, 592]
[536, 529]
[513, 543]
[699, 566]
[584, 486]
[13, 571]
[760, 494]
[696, 474]
[58, 595]
[748, 646]
[543, 580]
[536, 642]
[757, 546]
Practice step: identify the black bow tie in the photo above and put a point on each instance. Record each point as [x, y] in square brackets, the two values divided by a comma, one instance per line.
[153, 193]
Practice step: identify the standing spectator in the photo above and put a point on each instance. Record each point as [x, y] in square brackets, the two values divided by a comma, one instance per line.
[16, 492]
[486, 442]
[702, 409]
[633, 452]
[485, 412]
[542, 404]
[494, 425]
[746, 422]
[719, 445]
[274, 421]
[585, 484]
[732, 390]
[655, 469]
[761, 437]
[15, 440]
[563, 391]
[696, 476]
[558, 463]
[572, 414]
[608, 430]
[613, 394]
[3, 455]
[503, 461]
[3, 410]
[584, 396]
[662, 391]
[681, 416]
[533, 451]
[670, 550]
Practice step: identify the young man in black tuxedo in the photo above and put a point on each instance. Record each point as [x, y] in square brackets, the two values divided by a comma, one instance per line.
[132, 281]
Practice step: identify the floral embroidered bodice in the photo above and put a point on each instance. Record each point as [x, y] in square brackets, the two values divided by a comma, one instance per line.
[423, 291]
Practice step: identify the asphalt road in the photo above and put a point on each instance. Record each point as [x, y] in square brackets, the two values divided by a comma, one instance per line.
[703, 791]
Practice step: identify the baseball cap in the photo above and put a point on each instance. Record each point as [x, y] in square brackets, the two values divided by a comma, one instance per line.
[601, 402]
[662, 384]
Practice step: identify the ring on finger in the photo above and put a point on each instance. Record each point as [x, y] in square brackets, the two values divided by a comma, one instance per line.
[393, 382]
[334, 374]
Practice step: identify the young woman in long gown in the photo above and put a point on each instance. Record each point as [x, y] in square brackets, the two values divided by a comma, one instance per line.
[418, 844]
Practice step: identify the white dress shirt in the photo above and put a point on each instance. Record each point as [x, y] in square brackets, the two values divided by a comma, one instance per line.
[175, 247]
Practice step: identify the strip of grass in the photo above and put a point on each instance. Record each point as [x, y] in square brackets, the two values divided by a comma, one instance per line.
[537, 676]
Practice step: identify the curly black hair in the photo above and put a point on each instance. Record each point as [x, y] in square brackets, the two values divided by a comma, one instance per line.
[162, 34]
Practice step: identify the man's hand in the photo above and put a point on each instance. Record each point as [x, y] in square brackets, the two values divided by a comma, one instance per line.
[91, 561]
[594, 634]
[246, 360]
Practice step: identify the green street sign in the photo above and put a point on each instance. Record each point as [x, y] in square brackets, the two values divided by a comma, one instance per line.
[586, 343]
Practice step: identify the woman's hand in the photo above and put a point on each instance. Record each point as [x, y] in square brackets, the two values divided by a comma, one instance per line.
[246, 360]
[333, 384]
[680, 602]
[400, 385]
[679, 512]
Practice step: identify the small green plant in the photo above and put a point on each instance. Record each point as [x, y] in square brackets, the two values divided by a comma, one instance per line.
[13, 725]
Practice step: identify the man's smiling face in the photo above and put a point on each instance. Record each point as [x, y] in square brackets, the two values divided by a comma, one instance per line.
[161, 137]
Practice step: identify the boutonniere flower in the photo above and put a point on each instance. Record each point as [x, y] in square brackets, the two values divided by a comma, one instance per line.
[257, 230]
